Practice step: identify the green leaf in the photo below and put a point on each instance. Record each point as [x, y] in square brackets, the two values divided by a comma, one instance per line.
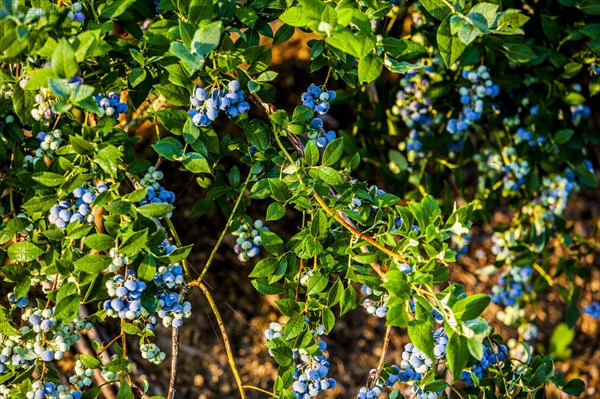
[475, 348]
[419, 332]
[333, 152]
[116, 8]
[92, 263]
[247, 15]
[168, 148]
[574, 387]
[173, 119]
[272, 242]
[450, 46]
[81, 146]
[63, 60]
[155, 211]
[402, 49]
[134, 243]
[195, 163]
[316, 283]
[470, 307]
[311, 153]
[327, 174]
[518, 52]
[457, 353]
[563, 136]
[24, 251]
[99, 242]
[39, 204]
[275, 211]
[147, 269]
[437, 8]
[357, 45]
[265, 268]
[48, 179]
[467, 33]
[369, 68]
[191, 62]
[207, 38]
[561, 338]
[10, 228]
[348, 300]
[89, 361]
[294, 326]
[279, 190]
[108, 158]
[125, 391]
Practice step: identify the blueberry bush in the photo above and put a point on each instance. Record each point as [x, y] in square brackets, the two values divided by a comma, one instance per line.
[459, 111]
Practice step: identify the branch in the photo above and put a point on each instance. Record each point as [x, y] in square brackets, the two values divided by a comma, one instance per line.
[357, 233]
[174, 365]
[260, 390]
[386, 344]
[228, 351]
[231, 215]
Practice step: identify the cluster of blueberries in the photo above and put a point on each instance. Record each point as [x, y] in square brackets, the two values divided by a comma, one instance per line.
[83, 375]
[579, 112]
[42, 108]
[526, 136]
[420, 394]
[125, 292]
[152, 353]
[473, 99]
[414, 107]
[555, 193]
[111, 376]
[118, 260]
[79, 210]
[50, 390]
[170, 282]
[374, 390]
[415, 363]
[206, 107]
[49, 142]
[489, 358]
[18, 302]
[376, 302]
[515, 169]
[512, 285]
[75, 13]
[248, 241]
[111, 105]
[317, 100]
[47, 340]
[156, 194]
[311, 374]
[318, 134]
[593, 309]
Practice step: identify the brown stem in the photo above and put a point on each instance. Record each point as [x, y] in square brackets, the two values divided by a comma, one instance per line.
[386, 344]
[228, 351]
[174, 365]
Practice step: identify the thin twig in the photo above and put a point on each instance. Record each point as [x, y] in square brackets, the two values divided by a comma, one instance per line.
[226, 228]
[354, 231]
[174, 365]
[386, 344]
[228, 351]
[273, 395]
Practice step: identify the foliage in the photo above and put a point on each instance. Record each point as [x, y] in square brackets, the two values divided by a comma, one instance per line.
[489, 113]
